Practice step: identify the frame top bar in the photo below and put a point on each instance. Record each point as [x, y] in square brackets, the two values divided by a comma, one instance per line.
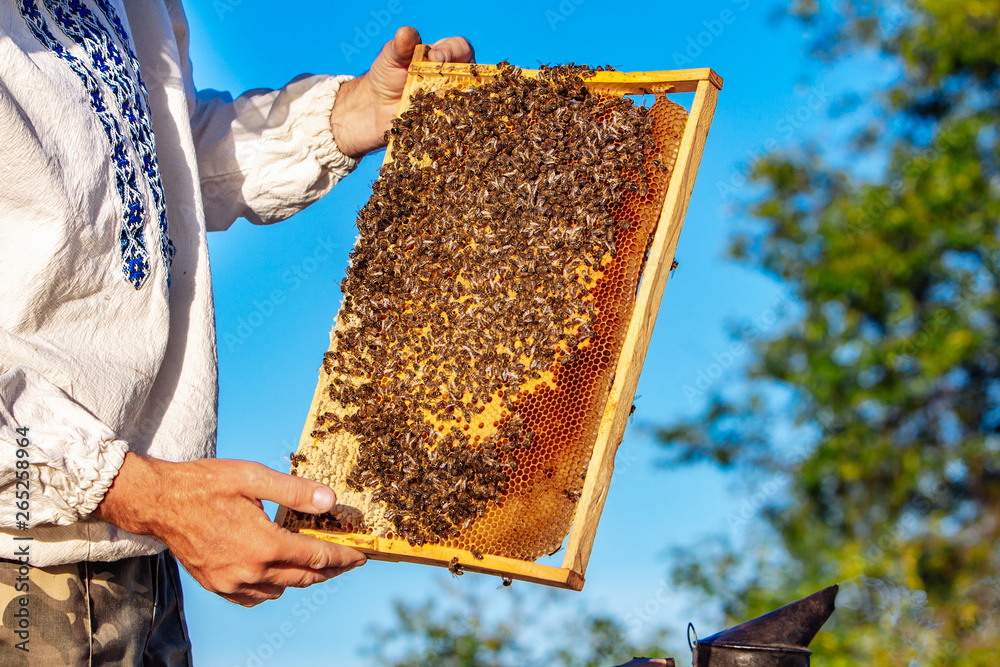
[627, 83]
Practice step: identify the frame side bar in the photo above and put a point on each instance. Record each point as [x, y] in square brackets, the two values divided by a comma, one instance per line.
[640, 330]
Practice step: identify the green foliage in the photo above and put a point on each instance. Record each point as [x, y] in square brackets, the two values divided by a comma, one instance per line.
[507, 631]
[893, 367]
[455, 638]
[873, 422]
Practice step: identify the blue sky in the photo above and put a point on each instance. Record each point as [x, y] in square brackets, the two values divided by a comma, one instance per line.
[277, 289]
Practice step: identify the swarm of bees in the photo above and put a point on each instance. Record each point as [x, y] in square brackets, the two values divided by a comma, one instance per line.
[473, 288]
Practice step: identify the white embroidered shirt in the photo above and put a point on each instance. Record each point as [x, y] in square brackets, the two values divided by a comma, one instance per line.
[112, 169]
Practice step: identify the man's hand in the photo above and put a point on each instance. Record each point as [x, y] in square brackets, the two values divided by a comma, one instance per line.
[366, 106]
[209, 514]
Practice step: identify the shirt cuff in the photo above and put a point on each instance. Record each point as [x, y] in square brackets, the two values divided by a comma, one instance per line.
[295, 161]
[87, 485]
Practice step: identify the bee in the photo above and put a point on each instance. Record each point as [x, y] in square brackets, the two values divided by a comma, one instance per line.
[465, 286]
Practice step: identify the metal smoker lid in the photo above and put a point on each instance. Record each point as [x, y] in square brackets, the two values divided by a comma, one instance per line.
[789, 628]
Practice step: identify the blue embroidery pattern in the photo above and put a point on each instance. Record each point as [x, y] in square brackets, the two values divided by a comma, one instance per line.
[132, 99]
[80, 25]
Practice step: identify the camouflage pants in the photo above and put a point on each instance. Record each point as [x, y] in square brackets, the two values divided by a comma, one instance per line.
[126, 612]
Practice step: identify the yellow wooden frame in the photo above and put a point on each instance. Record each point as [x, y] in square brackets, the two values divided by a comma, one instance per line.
[705, 84]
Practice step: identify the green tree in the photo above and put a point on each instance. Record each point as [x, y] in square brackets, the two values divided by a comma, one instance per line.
[891, 374]
[511, 631]
[877, 414]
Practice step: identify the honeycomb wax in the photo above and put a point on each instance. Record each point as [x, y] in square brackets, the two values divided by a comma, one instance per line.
[484, 310]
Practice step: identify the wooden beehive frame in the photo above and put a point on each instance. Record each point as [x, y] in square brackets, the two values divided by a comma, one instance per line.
[705, 84]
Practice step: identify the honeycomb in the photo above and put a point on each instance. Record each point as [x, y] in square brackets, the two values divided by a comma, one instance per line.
[485, 307]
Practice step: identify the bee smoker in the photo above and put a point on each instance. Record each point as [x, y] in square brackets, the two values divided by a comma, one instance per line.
[777, 639]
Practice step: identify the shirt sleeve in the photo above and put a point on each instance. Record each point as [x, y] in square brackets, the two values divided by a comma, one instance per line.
[53, 448]
[269, 153]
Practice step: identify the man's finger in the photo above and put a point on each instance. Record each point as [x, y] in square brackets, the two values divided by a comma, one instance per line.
[251, 596]
[300, 577]
[314, 554]
[297, 493]
[452, 50]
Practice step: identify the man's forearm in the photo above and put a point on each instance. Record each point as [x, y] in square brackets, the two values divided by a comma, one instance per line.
[136, 490]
